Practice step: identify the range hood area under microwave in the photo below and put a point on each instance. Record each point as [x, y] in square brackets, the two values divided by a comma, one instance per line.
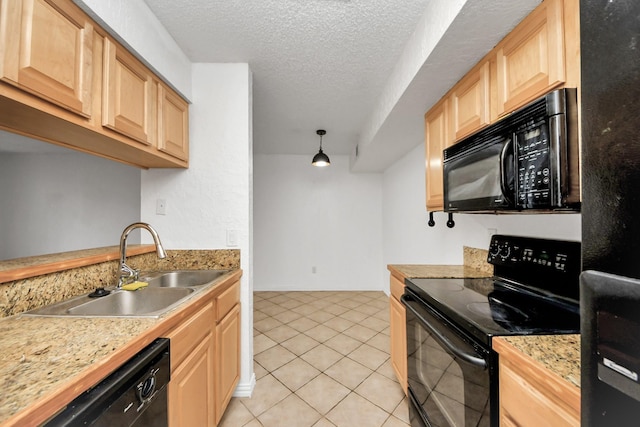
[526, 162]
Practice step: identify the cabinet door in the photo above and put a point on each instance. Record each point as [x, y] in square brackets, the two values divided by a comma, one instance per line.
[470, 103]
[227, 373]
[532, 396]
[191, 388]
[129, 95]
[398, 332]
[437, 136]
[48, 48]
[173, 123]
[523, 404]
[531, 58]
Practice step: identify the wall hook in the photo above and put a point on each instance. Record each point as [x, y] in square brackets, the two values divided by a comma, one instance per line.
[431, 222]
[451, 223]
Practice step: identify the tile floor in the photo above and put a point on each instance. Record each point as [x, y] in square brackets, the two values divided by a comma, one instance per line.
[321, 359]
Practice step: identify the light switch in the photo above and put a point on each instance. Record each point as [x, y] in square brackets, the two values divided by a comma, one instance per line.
[232, 238]
[161, 207]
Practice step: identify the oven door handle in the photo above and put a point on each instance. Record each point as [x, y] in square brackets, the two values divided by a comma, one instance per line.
[467, 357]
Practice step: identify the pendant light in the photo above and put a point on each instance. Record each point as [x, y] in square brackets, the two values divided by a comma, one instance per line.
[321, 160]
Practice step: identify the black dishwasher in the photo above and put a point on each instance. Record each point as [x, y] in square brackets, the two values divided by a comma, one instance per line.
[133, 395]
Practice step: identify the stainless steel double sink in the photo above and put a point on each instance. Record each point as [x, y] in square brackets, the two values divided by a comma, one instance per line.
[165, 290]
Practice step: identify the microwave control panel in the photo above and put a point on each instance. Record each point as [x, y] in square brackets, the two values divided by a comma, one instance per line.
[533, 165]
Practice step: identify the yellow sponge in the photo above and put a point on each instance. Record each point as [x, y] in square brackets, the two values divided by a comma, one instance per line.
[134, 286]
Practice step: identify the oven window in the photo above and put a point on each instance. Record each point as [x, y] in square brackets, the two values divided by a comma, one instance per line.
[451, 392]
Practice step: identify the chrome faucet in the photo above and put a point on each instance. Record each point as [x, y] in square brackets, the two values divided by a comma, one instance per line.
[127, 274]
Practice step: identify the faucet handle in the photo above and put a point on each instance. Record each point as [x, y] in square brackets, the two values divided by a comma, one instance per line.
[127, 275]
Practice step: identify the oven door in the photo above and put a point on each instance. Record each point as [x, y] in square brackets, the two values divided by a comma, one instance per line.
[450, 375]
[479, 174]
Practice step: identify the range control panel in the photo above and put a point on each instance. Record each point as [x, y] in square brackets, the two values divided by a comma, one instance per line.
[524, 252]
[550, 265]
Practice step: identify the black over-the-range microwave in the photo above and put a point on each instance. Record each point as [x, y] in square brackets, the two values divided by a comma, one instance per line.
[529, 160]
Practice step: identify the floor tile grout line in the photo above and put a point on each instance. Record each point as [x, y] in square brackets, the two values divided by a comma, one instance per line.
[376, 305]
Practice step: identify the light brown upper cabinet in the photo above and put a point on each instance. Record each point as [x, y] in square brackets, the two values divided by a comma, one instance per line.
[542, 53]
[470, 103]
[48, 51]
[65, 80]
[531, 58]
[129, 95]
[437, 138]
[173, 123]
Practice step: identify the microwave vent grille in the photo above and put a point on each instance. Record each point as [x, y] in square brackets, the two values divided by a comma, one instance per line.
[533, 110]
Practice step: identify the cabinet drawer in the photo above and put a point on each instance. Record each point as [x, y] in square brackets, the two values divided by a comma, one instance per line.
[185, 337]
[397, 288]
[226, 300]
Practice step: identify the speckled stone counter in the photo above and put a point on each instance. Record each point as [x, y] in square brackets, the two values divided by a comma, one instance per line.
[559, 354]
[39, 356]
[33, 292]
[475, 265]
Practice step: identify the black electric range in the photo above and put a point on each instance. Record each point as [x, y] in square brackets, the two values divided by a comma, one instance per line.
[534, 290]
[452, 370]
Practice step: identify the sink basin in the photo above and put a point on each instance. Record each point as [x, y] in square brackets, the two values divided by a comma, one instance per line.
[128, 303]
[166, 290]
[181, 278]
[146, 302]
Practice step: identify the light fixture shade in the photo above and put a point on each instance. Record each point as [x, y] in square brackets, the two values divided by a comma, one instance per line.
[320, 160]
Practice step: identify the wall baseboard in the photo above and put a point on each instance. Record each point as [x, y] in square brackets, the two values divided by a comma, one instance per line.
[245, 389]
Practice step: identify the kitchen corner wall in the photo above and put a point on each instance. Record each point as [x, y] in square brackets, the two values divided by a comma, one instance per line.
[408, 239]
[214, 195]
[307, 218]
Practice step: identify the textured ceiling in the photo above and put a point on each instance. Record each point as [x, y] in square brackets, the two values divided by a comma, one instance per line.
[364, 70]
[317, 64]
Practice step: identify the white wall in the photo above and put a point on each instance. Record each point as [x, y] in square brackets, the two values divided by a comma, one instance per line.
[62, 202]
[214, 194]
[309, 217]
[408, 240]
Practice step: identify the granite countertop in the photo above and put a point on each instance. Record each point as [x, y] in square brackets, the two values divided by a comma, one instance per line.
[412, 271]
[474, 265]
[559, 354]
[41, 355]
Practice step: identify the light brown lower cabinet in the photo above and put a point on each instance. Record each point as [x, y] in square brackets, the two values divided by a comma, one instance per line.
[192, 378]
[530, 395]
[227, 359]
[205, 361]
[398, 332]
